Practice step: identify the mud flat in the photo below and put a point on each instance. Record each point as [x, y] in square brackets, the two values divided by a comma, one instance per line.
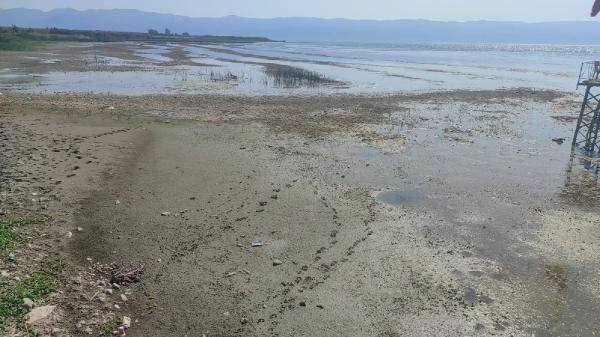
[424, 214]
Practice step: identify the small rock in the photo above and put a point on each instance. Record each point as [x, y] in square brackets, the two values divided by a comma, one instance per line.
[79, 229]
[244, 320]
[302, 303]
[40, 313]
[109, 291]
[277, 262]
[116, 286]
[165, 213]
[226, 314]
[117, 306]
[123, 298]
[69, 234]
[4, 273]
[28, 303]
[117, 202]
[101, 298]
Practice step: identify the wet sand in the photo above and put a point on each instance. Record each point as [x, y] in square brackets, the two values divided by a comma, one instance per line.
[379, 215]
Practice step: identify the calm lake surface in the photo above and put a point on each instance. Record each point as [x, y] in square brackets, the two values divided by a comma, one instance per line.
[347, 68]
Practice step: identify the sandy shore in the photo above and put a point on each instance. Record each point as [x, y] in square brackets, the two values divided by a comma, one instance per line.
[396, 215]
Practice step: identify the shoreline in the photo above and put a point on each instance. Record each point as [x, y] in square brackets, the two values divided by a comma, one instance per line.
[454, 249]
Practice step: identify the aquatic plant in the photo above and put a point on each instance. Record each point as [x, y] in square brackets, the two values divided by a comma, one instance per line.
[284, 76]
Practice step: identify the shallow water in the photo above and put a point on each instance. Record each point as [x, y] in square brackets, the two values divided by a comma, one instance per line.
[363, 68]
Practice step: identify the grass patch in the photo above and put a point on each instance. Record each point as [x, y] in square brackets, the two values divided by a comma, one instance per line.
[41, 282]
[19, 44]
[291, 77]
[8, 236]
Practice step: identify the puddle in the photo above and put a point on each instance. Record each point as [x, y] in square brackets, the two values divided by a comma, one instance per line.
[398, 198]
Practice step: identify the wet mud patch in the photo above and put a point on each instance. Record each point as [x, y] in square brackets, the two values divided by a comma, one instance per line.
[558, 275]
[401, 197]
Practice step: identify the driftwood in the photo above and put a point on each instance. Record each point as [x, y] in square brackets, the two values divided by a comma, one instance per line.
[127, 275]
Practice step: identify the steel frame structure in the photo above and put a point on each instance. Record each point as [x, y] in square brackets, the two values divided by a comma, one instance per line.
[588, 123]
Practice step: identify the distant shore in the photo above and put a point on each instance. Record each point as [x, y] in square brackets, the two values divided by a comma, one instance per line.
[23, 38]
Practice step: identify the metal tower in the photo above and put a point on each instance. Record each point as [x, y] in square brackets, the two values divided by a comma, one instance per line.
[588, 123]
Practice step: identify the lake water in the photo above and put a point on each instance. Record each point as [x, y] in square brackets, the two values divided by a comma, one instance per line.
[355, 68]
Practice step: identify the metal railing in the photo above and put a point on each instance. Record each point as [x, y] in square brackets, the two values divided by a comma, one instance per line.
[589, 73]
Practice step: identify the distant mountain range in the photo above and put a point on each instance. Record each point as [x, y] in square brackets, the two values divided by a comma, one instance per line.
[312, 29]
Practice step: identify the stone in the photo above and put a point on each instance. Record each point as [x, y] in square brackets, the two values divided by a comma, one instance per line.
[40, 313]
[69, 234]
[277, 262]
[28, 303]
[123, 298]
[109, 291]
[79, 229]
[101, 298]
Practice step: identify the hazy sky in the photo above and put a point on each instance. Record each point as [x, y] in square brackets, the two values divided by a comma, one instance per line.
[521, 10]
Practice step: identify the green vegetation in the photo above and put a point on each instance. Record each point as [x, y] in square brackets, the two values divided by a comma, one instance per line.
[8, 236]
[292, 77]
[16, 38]
[41, 283]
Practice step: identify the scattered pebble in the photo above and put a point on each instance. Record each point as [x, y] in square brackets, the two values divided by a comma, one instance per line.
[28, 303]
[277, 262]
